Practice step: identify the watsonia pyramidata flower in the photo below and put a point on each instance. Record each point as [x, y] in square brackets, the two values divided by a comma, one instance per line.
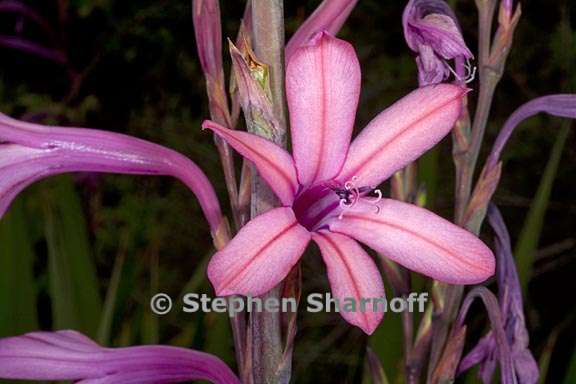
[69, 355]
[30, 152]
[431, 30]
[326, 188]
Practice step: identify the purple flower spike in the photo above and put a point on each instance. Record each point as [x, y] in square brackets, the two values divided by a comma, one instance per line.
[329, 16]
[69, 355]
[431, 30]
[511, 306]
[30, 152]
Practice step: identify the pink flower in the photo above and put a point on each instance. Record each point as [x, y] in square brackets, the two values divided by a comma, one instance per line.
[326, 188]
[69, 355]
[30, 152]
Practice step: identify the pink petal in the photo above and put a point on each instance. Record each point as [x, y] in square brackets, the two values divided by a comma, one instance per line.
[69, 355]
[352, 274]
[322, 87]
[274, 163]
[402, 133]
[329, 16]
[419, 240]
[260, 255]
[29, 152]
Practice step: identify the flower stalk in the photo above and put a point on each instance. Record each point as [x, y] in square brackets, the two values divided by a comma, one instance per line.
[469, 135]
[208, 32]
[268, 39]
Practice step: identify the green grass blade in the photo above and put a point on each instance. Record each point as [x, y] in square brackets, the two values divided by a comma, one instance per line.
[74, 292]
[17, 287]
[570, 377]
[530, 234]
[546, 355]
[110, 302]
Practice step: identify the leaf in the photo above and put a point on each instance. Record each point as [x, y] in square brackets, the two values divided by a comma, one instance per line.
[17, 287]
[110, 302]
[570, 377]
[546, 355]
[531, 230]
[387, 342]
[74, 293]
[428, 174]
[376, 371]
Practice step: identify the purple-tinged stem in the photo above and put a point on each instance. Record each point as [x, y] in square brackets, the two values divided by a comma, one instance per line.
[492, 56]
[490, 301]
[561, 105]
[33, 48]
[208, 32]
[268, 39]
[489, 78]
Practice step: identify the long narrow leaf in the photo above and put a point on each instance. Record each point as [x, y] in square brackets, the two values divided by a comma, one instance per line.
[74, 292]
[17, 287]
[530, 234]
[570, 377]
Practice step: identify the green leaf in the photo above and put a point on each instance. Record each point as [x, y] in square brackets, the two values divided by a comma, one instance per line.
[110, 302]
[387, 344]
[428, 174]
[527, 243]
[546, 355]
[570, 377]
[17, 288]
[76, 302]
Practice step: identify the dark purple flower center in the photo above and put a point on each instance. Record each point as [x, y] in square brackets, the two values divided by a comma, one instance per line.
[314, 205]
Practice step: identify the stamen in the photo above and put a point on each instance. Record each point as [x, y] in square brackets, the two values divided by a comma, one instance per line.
[351, 194]
[470, 72]
[469, 75]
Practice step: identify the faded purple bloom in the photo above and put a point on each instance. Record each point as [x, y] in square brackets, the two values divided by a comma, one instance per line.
[511, 307]
[431, 30]
[30, 152]
[329, 16]
[69, 355]
[561, 105]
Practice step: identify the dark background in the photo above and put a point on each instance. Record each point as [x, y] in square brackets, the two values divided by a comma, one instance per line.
[131, 66]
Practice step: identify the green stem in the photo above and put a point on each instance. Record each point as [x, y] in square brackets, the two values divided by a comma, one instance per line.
[489, 78]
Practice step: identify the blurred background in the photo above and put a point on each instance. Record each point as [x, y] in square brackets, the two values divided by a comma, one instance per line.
[86, 251]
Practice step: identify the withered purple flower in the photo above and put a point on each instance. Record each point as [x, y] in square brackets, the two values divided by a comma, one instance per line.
[511, 307]
[432, 30]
